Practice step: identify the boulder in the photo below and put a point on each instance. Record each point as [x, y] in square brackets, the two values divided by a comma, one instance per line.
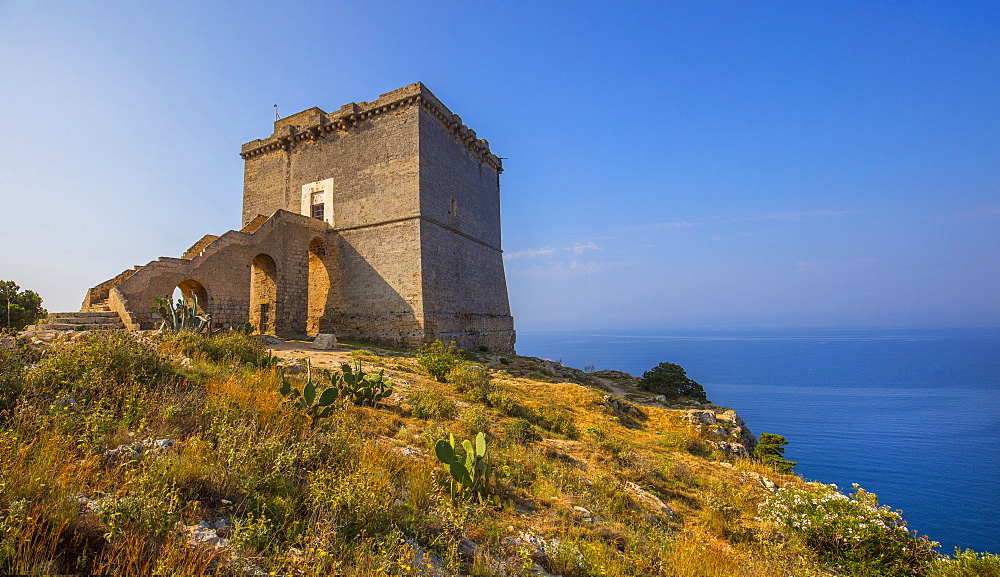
[325, 341]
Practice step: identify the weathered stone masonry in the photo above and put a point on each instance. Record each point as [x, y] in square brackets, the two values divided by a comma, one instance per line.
[379, 221]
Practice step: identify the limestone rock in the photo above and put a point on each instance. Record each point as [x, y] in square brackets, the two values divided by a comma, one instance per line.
[204, 534]
[699, 417]
[650, 499]
[325, 341]
[424, 562]
[586, 515]
[764, 481]
[137, 450]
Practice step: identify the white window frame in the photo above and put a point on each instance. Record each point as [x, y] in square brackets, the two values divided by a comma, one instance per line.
[320, 186]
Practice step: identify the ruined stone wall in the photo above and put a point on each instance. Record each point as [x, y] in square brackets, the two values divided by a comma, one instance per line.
[224, 269]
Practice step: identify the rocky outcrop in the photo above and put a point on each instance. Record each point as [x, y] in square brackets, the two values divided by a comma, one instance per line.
[725, 431]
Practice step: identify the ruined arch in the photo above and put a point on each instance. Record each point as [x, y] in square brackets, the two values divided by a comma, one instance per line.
[264, 293]
[191, 288]
[319, 287]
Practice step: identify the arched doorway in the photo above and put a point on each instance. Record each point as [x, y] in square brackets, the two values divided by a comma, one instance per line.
[191, 289]
[263, 293]
[319, 287]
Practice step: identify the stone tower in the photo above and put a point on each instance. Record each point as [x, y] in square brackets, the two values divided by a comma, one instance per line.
[378, 221]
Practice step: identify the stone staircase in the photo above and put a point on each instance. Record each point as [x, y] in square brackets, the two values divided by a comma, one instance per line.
[80, 321]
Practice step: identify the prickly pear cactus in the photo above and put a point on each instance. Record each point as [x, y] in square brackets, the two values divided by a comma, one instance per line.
[470, 471]
[306, 398]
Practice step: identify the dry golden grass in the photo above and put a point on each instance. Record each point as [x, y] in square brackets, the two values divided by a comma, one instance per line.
[350, 495]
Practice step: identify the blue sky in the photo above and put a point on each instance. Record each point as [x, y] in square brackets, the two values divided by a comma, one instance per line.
[668, 164]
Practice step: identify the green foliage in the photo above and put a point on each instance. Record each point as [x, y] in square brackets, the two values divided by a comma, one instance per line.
[438, 359]
[109, 364]
[670, 380]
[770, 450]
[317, 406]
[470, 470]
[555, 420]
[363, 388]
[18, 308]
[478, 420]
[431, 404]
[520, 431]
[233, 346]
[264, 360]
[852, 533]
[352, 383]
[966, 563]
[15, 357]
[472, 380]
[182, 316]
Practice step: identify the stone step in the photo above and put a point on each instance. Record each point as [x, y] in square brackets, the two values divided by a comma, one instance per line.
[66, 319]
[71, 321]
[94, 314]
[74, 327]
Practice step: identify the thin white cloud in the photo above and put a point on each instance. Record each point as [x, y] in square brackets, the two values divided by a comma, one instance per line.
[562, 269]
[663, 225]
[794, 216]
[578, 248]
[529, 253]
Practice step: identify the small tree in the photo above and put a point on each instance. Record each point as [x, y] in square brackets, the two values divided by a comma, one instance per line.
[670, 380]
[438, 359]
[18, 308]
[770, 450]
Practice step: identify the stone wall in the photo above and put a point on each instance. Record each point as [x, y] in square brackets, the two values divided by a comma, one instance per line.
[224, 270]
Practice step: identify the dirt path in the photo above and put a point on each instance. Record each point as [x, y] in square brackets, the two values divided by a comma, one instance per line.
[330, 359]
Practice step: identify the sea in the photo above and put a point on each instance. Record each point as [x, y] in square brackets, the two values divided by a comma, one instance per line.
[912, 415]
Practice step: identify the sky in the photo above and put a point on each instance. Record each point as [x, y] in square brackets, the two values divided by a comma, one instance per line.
[667, 164]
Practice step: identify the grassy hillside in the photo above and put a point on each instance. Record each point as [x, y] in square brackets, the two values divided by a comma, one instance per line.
[125, 454]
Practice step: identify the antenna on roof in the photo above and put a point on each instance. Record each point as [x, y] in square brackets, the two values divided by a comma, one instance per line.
[276, 117]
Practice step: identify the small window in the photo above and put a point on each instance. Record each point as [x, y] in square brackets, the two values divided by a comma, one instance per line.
[316, 205]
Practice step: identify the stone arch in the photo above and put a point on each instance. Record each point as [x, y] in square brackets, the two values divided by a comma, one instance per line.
[319, 287]
[191, 288]
[264, 293]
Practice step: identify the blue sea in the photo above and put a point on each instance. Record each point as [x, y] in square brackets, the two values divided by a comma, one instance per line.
[912, 415]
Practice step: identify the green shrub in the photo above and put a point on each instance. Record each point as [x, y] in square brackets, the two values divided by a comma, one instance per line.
[105, 363]
[431, 404]
[966, 563]
[438, 359]
[15, 357]
[554, 420]
[231, 347]
[363, 388]
[852, 532]
[502, 399]
[478, 419]
[671, 381]
[472, 380]
[520, 431]
[770, 450]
